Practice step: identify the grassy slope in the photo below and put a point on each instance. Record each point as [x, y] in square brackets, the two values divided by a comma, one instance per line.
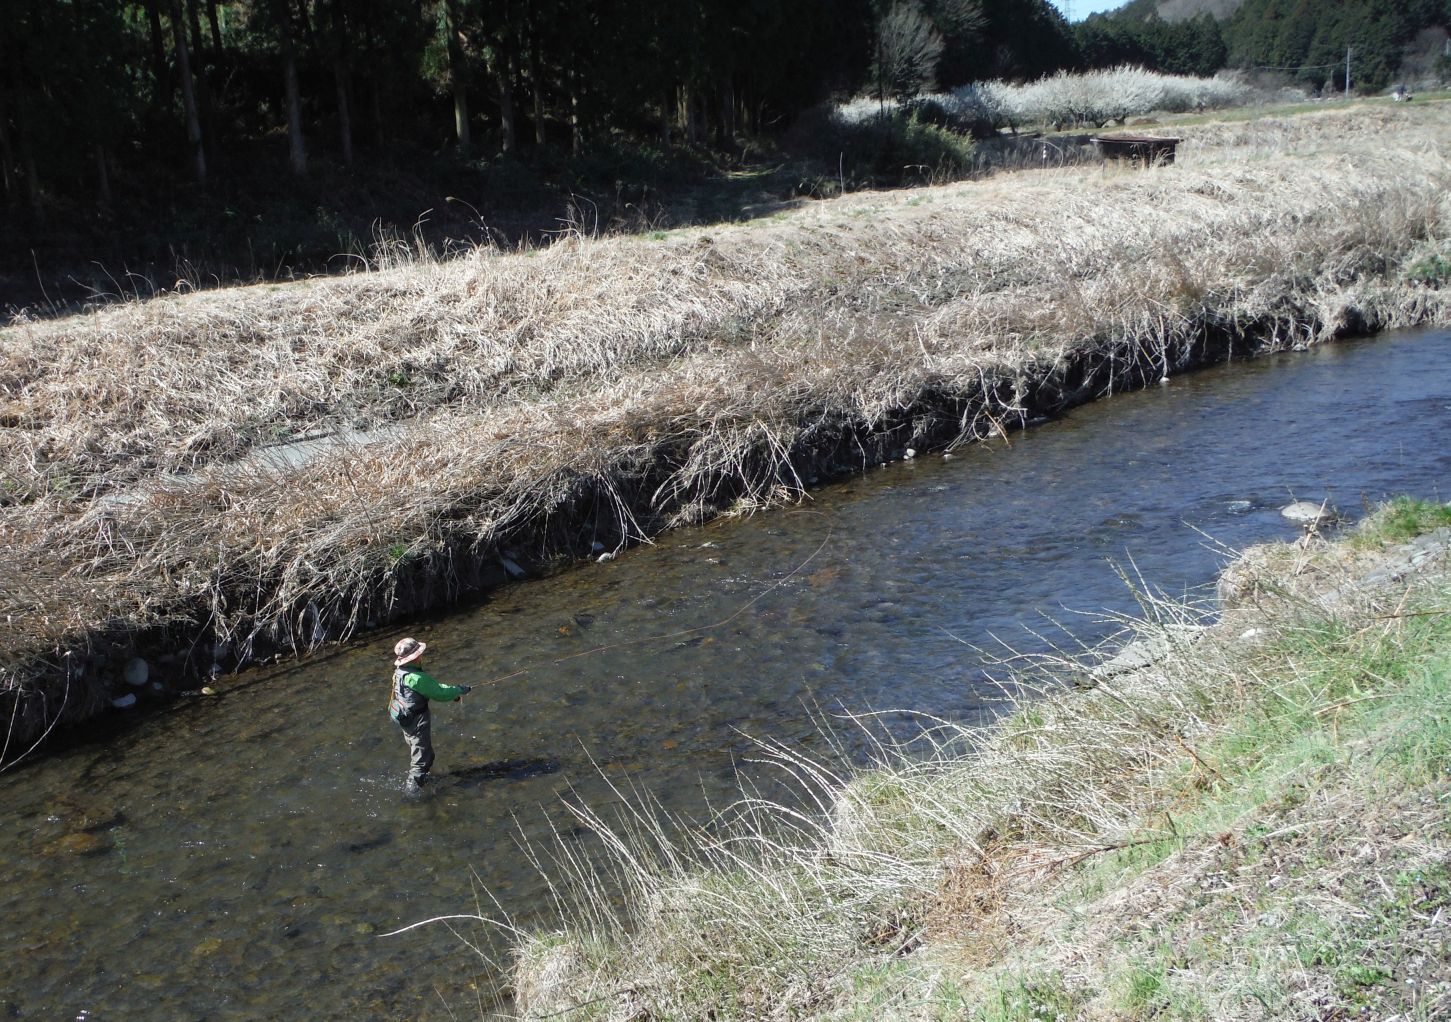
[1255, 827]
[605, 388]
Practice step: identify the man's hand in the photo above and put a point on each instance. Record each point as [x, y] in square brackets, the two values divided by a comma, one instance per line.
[466, 690]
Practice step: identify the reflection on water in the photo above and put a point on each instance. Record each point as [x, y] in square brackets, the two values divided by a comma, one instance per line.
[241, 856]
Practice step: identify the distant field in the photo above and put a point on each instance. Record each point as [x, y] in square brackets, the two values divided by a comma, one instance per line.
[598, 390]
[1251, 113]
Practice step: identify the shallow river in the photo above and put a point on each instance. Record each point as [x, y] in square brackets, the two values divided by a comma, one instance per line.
[241, 856]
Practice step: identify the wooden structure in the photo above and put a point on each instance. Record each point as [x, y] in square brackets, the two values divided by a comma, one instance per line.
[1146, 149]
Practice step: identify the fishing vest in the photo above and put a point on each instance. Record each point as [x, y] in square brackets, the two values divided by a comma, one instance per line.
[405, 702]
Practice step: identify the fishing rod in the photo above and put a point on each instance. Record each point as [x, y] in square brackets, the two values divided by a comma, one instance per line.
[683, 631]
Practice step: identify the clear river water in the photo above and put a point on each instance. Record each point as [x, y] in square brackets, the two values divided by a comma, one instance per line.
[241, 856]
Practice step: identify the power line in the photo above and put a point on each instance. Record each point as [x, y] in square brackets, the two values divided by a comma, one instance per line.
[1316, 67]
[1303, 67]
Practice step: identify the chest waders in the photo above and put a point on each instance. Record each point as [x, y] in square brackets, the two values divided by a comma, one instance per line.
[405, 702]
[410, 710]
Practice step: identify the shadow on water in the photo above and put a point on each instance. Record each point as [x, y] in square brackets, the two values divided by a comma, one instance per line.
[107, 738]
[502, 770]
[233, 856]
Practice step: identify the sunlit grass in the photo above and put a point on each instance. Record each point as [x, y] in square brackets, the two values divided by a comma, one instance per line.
[1402, 519]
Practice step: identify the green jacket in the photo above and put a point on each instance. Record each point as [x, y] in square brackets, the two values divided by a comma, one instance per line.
[412, 689]
[430, 687]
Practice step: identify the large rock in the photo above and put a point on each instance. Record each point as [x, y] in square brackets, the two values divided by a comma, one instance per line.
[1409, 557]
[1148, 651]
[1307, 512]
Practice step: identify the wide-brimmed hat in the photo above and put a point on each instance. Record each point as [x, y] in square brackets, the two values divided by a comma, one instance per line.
[407, 651]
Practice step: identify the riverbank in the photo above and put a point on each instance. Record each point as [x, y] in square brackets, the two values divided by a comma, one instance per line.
[1246, 820]
[221, 477]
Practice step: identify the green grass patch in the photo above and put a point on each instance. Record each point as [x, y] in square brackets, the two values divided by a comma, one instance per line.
[1416, 725]
[1147, 988]
[1402, 519]
[1433, 270]
[1353, 708]
[1338, 686]
[1028, 998]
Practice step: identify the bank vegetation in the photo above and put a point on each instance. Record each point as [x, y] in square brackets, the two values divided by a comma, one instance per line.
[1092, 99]
[225, 475]
[1243, 816]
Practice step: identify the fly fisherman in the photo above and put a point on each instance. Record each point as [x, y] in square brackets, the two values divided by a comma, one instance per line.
[413, 688]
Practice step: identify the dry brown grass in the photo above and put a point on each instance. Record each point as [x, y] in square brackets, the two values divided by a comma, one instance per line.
[603, 388]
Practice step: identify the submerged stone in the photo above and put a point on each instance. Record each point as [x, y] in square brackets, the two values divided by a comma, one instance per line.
[80, 843]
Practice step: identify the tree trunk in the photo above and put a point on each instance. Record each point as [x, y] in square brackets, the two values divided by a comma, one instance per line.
[506, 101]
[342, 75]
[203, 87]
[576, 135]
[537, 86]
[7, 161]
[461, 120]
[296, 145]
[32, 181]
[193, 18]
[727, 113]
[216, 27]
[160, 69]
[458, 76]
[380, 138]
[188, 95]
[103, 178]
[375, 89]
[688, 111]
[27, 162]
[345, 119]
[667, 119]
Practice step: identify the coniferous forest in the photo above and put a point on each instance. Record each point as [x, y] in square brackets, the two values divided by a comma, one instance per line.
[148, 140]
[1304, 40]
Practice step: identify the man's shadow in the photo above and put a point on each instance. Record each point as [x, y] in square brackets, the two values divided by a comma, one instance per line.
[499, 770]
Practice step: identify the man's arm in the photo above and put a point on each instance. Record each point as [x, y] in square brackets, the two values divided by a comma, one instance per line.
[430, 687]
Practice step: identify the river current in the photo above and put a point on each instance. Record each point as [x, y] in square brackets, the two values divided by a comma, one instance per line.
[240, 856]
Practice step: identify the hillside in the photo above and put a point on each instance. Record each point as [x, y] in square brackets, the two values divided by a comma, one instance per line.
[1177, 10]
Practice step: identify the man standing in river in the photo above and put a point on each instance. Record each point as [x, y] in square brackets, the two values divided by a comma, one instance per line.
[413, 688]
